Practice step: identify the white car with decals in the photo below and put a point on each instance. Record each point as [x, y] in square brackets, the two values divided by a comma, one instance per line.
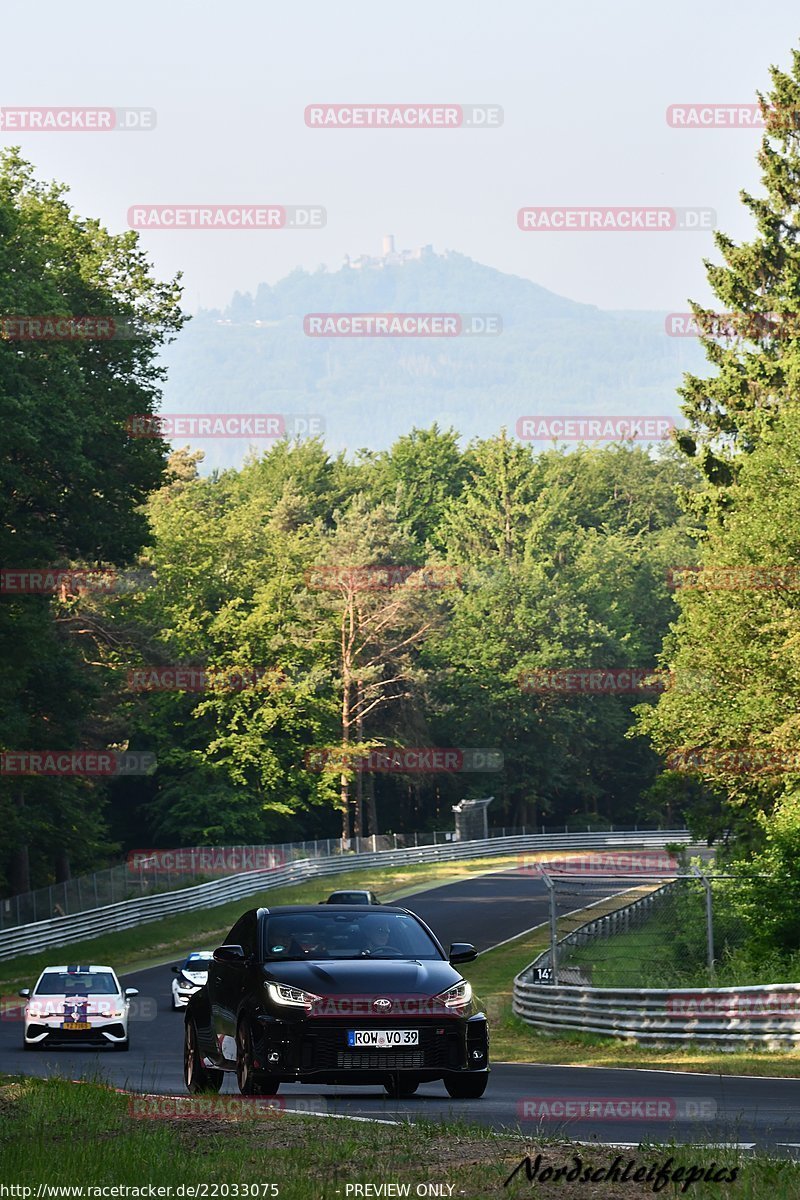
[77, 1005]
[190, 975]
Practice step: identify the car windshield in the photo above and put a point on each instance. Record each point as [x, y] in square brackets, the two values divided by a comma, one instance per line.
[77, 983]
[198, 962]
[349, 898]
[347, 935]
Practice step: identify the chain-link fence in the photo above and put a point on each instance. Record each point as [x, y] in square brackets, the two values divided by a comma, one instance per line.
[655, 930]
[141, 877]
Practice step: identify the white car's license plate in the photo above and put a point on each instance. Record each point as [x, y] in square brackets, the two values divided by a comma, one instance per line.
[383, 1037]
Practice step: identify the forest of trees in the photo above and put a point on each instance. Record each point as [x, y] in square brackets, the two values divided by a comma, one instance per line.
[507, 562]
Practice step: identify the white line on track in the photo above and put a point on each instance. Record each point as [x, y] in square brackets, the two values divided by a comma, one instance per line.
[302, 1112]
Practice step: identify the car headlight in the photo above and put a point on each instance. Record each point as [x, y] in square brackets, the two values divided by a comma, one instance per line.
[291, 997]
[458, 996]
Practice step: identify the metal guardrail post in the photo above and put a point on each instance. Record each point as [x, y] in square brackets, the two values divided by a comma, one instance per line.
[709, 918]
[551, 888]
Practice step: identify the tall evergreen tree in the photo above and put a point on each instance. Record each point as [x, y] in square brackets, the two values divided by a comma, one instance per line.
[753, 341]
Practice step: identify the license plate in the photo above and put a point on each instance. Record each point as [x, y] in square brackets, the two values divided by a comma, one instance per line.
[383, 1037]
[77, 1025]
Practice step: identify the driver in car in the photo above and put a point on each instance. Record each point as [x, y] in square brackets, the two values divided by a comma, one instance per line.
[378, 936]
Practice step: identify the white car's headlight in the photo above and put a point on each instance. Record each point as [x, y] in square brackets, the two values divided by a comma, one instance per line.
[458, 996]
[292, 997]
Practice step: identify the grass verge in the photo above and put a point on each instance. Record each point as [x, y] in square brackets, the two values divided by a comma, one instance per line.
[61, 1134]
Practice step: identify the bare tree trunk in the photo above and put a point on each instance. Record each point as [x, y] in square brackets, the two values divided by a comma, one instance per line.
[359, 815]
[344, 782]
[347, 683]
[372, 810]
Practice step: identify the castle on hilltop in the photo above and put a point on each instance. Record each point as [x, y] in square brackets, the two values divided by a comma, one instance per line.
[390, 256]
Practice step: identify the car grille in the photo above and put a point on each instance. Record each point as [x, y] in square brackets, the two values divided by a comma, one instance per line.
[324, 1047]
[95, 1034]
[381, 1060]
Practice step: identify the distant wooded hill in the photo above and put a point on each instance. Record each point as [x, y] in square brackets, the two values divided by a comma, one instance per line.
[553, 357]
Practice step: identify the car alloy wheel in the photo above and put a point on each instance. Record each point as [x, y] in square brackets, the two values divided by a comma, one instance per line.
[251, 1082]
[197, 1077]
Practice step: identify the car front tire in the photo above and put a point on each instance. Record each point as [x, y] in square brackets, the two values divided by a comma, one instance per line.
[196, 1077]
[466, 1087]
[126, 1045]
[251, 1082]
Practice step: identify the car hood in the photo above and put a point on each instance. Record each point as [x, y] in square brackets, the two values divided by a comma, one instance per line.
[361, 977]
[100, 1005]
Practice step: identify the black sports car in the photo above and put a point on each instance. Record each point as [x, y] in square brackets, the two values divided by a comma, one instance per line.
[336, 994]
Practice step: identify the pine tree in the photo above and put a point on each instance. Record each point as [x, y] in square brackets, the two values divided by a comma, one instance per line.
[754, 341]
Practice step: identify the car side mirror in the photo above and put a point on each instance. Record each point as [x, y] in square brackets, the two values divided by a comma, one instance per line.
[229, 954]
[25, 993]
[176, 970]
[462, 952]
[131, 991]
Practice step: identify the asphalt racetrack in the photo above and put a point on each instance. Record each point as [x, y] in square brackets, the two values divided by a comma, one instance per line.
[485, 910]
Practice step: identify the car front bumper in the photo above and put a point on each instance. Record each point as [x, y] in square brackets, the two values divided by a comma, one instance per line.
[317, 1050]
[38, 1033]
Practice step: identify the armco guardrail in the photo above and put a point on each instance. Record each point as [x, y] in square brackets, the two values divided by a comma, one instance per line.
[58, 931]
[191, 866]
[768, 1014]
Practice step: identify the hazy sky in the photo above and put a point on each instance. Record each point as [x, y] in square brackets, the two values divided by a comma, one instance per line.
[584, 88]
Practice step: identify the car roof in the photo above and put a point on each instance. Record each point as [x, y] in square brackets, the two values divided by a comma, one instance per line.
[76, 969]
[345, 908]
